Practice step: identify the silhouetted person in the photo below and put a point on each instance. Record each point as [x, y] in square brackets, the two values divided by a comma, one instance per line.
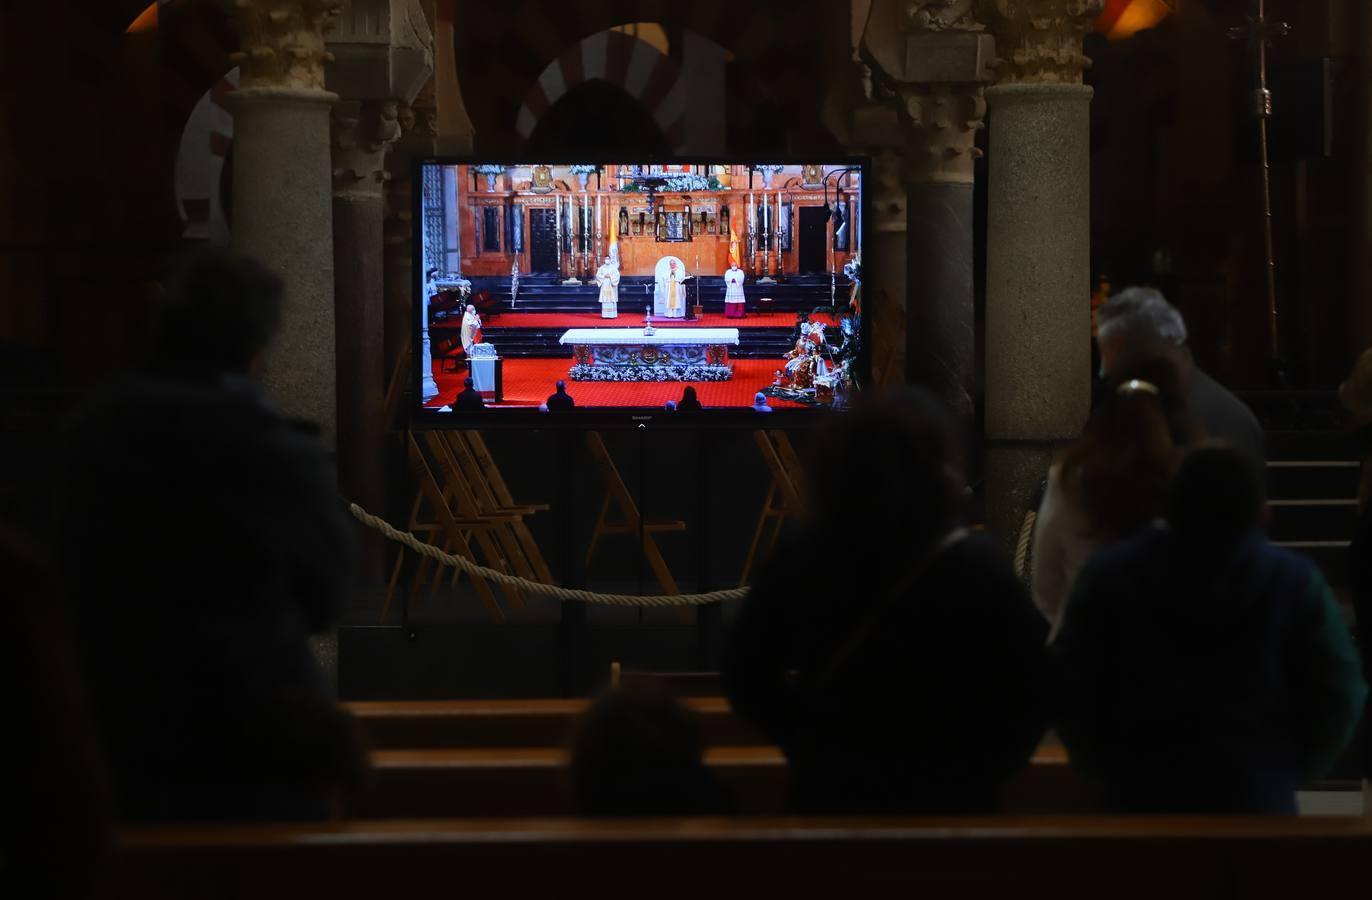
[1137, 320]
[903, 670]
[1355, 395]
[638, 752]
[202, 541]
[561, 401]
[469, 398]
[1204, 669]
[689, 402]
[1113, 480]
[57, 808]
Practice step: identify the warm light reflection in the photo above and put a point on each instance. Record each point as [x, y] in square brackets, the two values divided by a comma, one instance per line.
[1125, 18]
[650, 33]
[146, 21]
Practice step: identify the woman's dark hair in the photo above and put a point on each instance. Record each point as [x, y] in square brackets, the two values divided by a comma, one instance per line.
[221, 311]
[689, 393]
[1118, 470]
[886, 470]
[638, 752]
[1215, 501]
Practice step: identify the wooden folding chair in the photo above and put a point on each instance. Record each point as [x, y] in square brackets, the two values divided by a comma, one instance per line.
[617, 496]
[477, 444]
[489, 501]
[783, 498]
[496, 542]
[455, 532]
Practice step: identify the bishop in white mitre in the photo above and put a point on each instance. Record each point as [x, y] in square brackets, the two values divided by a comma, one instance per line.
[607, 276]
[673, 290]
[733, 292]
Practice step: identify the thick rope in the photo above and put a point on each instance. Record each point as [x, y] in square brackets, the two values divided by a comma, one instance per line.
[1026, 536]
[535, 587]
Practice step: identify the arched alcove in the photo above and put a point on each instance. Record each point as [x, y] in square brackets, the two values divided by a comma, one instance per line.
[597, 119]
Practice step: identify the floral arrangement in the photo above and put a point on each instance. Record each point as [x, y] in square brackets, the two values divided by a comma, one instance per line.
[651, 373]
[582, 169]
[769, 169]
[681, 184]
[489, 169]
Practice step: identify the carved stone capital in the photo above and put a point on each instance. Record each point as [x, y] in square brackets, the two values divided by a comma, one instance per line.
[1040, 41]
[940, 15]
[363, 132]
[283, 41]
[942, 122]
[890, 193]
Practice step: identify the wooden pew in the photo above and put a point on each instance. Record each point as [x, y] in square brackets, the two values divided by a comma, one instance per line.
[532, 781]
[474, 724]
[977, 858]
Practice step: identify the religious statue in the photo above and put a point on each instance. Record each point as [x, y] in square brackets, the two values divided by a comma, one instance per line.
[607, 276]
[669, 295]
[795, 358]
[733, 292]
[623, 221]
[471, 329]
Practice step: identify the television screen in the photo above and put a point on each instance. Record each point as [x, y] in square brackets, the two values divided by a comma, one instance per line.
[637, 286]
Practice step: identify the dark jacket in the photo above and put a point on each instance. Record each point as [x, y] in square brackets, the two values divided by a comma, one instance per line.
[1194, 684]
[561, 402]
[1225, 417]
[1360, 586]
[469, 399]
[932, 712]
[203, 541]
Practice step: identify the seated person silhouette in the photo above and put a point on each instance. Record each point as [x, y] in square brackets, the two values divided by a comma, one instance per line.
[561, 401]
[470, 398]
[639, 752]
[689, 401]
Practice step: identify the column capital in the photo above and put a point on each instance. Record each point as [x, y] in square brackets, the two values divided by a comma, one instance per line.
[362, 133]
[283, 41]
[1040, 41]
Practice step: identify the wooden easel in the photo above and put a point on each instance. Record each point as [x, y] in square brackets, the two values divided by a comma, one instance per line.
[617, 496]
[783, 497]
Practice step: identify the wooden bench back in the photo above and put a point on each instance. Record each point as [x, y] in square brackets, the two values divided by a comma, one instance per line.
[800, 859]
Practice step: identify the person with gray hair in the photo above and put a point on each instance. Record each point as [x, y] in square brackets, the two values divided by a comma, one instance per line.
[1139, 318]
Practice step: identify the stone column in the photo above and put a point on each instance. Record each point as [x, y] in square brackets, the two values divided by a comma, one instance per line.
[932, 59]
[281, 209]
[876, 129]
[362, 133]
[1038, 269]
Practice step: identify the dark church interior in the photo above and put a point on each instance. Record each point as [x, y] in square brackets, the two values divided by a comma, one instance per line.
[796, 448]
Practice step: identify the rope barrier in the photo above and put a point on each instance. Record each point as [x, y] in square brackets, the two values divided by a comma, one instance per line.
[1026, 536]
[534, 587]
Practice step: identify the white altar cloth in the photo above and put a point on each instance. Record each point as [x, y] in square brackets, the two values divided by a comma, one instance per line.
[678, 337]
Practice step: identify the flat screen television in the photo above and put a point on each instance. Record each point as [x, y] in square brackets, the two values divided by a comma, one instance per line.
[638, 286]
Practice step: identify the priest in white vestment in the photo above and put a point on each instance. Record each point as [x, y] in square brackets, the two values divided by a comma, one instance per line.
[471, 328]
[733, 292]
[607, 276]
[669, 297]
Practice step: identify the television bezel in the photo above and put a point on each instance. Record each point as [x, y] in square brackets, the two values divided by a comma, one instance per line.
[613, 417]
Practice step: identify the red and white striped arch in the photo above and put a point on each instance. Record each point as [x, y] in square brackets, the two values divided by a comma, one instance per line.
[638, 68]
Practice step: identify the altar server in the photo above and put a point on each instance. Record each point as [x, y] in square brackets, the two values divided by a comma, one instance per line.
[733, 292]
[607, 276]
